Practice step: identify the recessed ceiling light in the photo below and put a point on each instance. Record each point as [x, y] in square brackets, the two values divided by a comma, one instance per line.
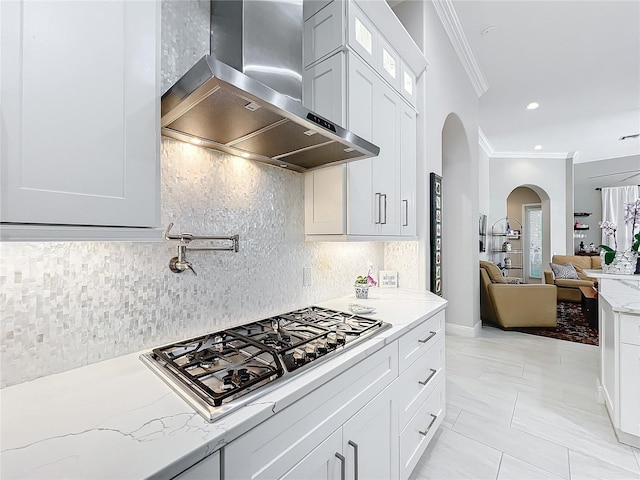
[284, 165]
[538, 147]
[245, 155]
[533, 106]
[196, 141]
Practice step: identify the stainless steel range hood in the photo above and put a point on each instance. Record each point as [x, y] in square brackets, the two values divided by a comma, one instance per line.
[218, 106]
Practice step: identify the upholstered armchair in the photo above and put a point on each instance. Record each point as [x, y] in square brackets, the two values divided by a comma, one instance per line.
[512, 306]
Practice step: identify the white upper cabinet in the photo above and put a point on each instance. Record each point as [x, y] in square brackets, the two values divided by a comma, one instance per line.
[324, 32]
[361, 78]
[408, 171]
[80, 115]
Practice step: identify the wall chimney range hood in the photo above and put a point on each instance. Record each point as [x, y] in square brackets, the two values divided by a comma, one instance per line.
[218, 106]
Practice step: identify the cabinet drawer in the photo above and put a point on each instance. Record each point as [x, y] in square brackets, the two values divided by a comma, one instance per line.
[630, 329]
[418, 381]
[416, 436]
[417, 341]
[324, 32]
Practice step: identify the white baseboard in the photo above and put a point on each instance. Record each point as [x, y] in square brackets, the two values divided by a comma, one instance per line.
[462, 330]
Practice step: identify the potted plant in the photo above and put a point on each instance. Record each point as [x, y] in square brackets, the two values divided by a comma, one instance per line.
[362, 285]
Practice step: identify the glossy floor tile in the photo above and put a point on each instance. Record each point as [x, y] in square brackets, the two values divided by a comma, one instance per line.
[524, 407]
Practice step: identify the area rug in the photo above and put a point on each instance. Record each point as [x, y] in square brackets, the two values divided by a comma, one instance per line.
[572, 326]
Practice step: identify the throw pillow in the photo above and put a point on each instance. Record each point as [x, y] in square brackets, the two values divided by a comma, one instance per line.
[566, 271]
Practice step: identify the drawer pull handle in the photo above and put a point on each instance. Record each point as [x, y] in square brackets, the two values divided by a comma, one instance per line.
[433, 372]
[433, 419]
[432, 334]
[355, 459]
[343, 469]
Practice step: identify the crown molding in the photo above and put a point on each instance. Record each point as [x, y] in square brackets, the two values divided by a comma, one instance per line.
[532, 155]
[451, 23]
[484, 143]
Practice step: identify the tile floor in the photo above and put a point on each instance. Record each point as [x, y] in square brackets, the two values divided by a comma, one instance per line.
[524, 407]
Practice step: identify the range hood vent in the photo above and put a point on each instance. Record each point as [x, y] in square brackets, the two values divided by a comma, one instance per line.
[223, 101]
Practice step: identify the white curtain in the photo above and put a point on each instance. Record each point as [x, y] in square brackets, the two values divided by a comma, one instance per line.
[613, 200]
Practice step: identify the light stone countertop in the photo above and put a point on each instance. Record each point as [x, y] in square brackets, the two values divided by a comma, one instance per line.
[623, 292]
[117, 419]
[623, 303]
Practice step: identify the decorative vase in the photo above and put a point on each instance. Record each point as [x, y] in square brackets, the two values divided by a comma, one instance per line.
[362, 290]
[623, 263]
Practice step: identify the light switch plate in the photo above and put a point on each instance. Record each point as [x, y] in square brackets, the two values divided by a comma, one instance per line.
[306, 276]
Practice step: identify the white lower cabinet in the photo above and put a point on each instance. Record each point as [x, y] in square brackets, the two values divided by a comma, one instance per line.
[630, 389]
[364, 448]
[206, 469]
[325, 462]
[279, 444]
[620, 364]
[415, 437]
[373, 421]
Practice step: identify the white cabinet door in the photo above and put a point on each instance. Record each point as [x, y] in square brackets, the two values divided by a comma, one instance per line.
[323, 463]
[408, 172]
[386, 166]
[324, 32]
[80, 113]
[369, 439]
[206, 469]
[325, 196]
[630, 388]
[362, 89]
[324, 89]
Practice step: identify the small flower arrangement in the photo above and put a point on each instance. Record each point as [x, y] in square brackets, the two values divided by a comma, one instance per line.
[366, 280]
[362, 285]
[631, 216]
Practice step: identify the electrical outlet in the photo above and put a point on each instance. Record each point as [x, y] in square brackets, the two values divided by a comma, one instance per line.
[306, 276]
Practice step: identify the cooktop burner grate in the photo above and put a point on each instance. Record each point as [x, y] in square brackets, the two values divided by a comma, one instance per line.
[214, 370]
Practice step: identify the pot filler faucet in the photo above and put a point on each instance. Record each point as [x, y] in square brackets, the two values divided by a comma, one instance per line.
[179, 264]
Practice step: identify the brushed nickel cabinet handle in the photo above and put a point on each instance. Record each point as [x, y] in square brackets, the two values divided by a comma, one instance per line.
[343, 468]
[405, 223]
[432, 334]
[378, 212]
[355, 459]
[433, 372]
[433, 419]
[385, 208]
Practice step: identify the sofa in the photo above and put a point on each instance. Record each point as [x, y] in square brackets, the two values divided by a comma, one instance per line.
[569, 289]
[514, 306]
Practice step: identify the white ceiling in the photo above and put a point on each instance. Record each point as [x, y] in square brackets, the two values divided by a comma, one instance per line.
[580, 60]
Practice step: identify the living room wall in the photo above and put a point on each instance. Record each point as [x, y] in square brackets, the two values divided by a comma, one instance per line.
[552, 175]
[613, 172]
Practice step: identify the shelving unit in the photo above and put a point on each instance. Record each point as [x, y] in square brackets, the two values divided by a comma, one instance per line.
[506, 246]
[578, 228]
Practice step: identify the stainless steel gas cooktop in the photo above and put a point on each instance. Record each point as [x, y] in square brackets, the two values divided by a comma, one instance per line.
[223, 370]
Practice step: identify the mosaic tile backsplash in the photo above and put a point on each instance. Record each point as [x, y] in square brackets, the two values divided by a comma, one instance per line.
[67, 304]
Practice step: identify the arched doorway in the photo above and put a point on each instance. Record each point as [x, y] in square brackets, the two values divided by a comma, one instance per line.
[460, 280]
[530, 205]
